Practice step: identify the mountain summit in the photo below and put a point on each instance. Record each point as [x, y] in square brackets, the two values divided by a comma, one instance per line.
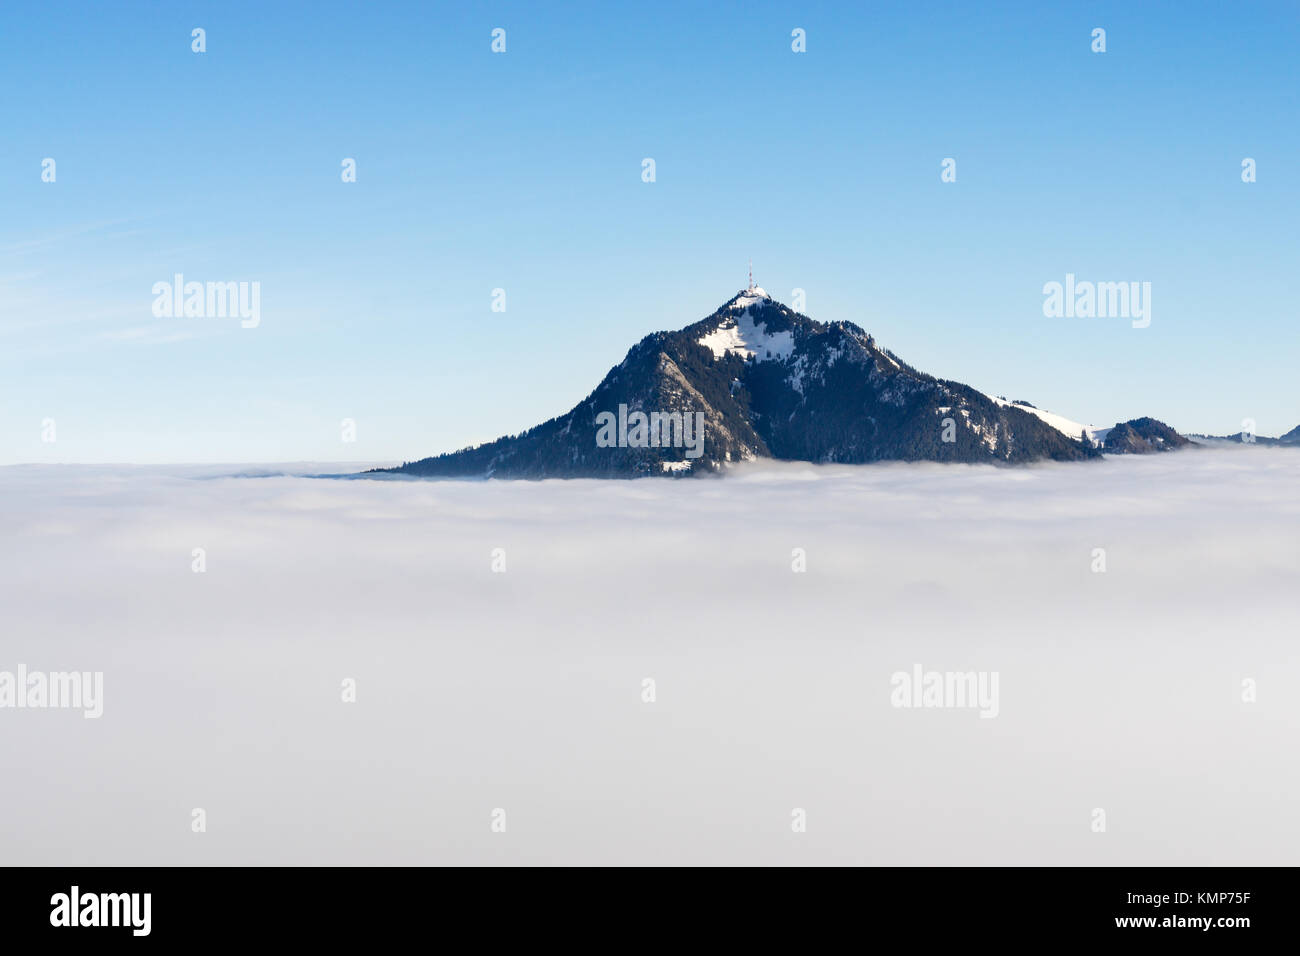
[757, 380]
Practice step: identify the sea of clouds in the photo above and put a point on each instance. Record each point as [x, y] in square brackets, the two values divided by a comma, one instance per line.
[523, 690]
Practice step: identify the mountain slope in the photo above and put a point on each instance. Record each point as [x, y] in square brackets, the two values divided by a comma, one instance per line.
[768, 382]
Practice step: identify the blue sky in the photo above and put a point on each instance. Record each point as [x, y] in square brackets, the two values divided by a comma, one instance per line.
[522, 171]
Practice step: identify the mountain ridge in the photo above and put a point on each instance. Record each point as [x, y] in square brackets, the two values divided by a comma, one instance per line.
[767, 382]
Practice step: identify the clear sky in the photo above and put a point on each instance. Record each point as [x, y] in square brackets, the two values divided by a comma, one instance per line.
[523, 171]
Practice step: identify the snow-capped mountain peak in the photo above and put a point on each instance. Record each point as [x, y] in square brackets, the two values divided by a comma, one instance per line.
[772, 383]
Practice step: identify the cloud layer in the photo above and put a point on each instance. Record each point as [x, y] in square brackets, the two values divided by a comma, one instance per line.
[522, 690]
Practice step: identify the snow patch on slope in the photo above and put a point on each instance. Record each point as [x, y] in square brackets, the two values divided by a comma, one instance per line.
[748, 338]
[1066, 426]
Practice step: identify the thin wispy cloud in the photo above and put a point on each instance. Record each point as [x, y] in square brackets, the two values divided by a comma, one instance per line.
[154, 334]
[42, 243]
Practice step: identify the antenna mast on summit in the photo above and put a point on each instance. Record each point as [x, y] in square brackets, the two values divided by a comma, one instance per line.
[751, 275]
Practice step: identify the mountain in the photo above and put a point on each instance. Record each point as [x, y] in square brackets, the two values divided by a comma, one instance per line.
[1143, 436]
[763, 381]
[1292, 437]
